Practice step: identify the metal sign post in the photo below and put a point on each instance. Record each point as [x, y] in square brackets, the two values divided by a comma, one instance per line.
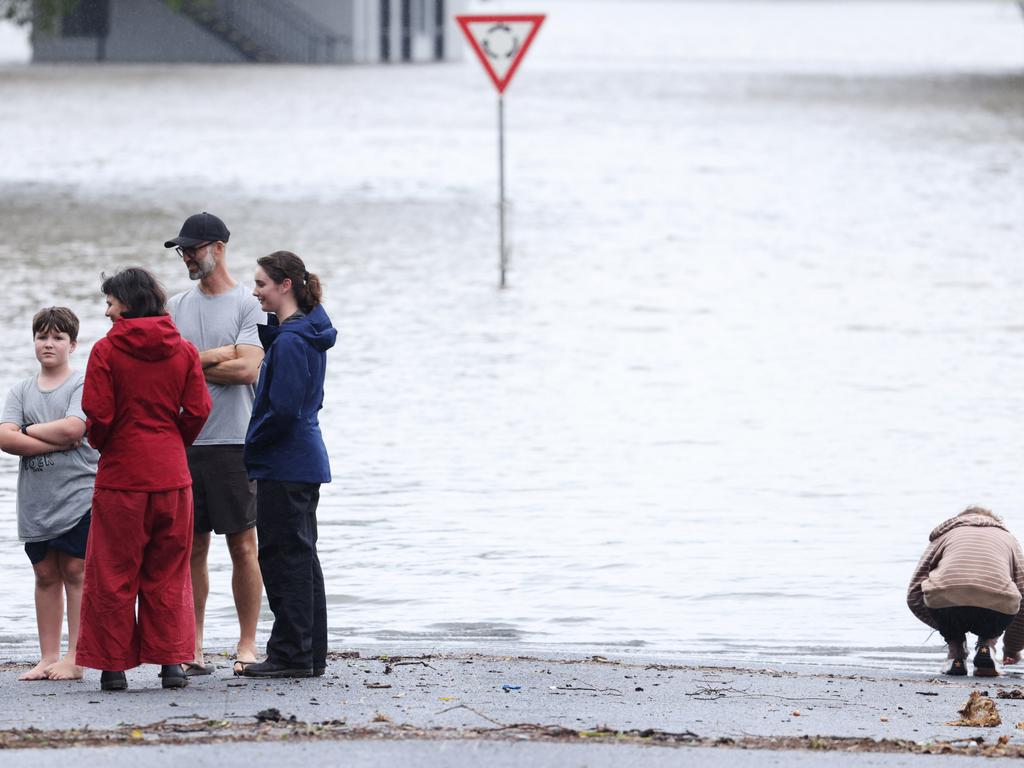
[500, 42]
[503, 251]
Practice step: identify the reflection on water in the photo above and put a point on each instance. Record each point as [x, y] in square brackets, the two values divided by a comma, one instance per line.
[762, 332]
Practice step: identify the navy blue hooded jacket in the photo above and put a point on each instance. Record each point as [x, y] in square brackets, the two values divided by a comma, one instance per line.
[283, 441]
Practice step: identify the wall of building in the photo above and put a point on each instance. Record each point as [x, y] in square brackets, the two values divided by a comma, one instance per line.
[140, 30]
[422, 30]
[336, 17]
[148, 30]
[365, 32]
[48, 48]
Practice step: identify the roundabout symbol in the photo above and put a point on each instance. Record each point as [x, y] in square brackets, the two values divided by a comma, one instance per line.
[500, 42]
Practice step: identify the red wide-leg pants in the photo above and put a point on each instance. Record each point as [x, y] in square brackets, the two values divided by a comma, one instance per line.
[138, 550]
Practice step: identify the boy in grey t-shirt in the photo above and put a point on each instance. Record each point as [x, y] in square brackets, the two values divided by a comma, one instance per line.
[44, 424]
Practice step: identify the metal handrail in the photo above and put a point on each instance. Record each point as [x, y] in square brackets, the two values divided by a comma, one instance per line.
[280, 28]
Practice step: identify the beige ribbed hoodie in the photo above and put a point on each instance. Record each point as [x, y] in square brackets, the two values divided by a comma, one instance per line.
[972, 560]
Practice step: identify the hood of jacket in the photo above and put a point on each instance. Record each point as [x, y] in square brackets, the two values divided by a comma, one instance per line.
[315, 328]
[972, 519]
[146, 338]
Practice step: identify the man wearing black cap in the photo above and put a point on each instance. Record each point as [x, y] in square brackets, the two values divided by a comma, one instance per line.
[220, 316]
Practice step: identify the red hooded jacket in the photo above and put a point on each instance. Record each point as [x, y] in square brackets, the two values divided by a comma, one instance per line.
[145, 399]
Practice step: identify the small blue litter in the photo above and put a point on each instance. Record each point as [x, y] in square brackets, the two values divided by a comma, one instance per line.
[506, 688]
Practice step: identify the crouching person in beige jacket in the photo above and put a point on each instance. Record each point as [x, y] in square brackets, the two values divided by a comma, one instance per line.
[970, 579]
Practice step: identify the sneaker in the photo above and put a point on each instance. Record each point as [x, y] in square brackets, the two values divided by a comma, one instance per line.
[269, 669]
[957, 668]
[984, 666]
[113, 681]
[173, 676]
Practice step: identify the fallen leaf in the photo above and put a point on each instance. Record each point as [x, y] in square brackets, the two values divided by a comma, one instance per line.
[978, 711]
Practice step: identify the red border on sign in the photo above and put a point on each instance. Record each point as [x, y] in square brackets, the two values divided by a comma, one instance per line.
[500, 83]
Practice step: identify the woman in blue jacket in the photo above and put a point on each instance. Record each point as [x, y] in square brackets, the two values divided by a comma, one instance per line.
[285, 455]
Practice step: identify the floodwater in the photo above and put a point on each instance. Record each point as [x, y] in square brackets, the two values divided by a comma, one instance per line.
[763, 330]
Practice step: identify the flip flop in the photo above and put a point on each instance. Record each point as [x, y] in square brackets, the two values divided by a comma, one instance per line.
[195, 669]
[238, 667]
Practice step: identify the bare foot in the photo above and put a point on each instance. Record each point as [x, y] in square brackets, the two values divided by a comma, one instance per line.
[245, 654]
[39, 671]
[66, 669]
[197, 666]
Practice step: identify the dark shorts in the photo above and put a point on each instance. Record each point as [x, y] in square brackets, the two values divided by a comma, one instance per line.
[71, 542]
[955, 623]
[224, 498]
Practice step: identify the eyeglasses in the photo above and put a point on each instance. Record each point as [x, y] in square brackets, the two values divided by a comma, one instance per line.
[190, 252]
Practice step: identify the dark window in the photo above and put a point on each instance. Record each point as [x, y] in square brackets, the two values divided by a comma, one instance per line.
[439, 30]
[406, 30]
[385, 30]
[88, 18]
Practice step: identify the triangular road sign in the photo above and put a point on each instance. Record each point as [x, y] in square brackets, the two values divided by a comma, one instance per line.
[500, 42]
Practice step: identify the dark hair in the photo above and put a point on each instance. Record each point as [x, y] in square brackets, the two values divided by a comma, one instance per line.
[305, 285]
[138, 290]
[59, 319]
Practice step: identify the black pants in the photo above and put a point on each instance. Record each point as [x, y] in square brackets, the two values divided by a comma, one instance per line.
[286, 530]
[955, 623]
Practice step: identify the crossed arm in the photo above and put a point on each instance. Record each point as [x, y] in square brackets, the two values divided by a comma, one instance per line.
[59, 435]
[232, 364]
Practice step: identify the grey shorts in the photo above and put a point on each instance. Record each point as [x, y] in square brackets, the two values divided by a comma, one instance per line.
[224, 499]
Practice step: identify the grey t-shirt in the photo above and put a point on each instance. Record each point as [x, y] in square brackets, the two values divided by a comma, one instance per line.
[215, 321]
[54, 489]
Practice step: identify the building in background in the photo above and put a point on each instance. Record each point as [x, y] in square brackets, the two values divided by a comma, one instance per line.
[231, 31]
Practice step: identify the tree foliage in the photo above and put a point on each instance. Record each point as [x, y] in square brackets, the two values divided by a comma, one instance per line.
[46, 11]
[20, 11]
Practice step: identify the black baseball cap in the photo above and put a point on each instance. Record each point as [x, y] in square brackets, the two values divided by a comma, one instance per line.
[200, 228]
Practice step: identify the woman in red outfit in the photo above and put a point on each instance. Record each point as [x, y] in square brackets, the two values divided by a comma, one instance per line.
[145, 399]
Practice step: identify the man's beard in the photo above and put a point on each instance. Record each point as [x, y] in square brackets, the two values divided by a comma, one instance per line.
[205, 267]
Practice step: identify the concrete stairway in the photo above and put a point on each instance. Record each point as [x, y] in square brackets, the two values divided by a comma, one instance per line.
[265, 30]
